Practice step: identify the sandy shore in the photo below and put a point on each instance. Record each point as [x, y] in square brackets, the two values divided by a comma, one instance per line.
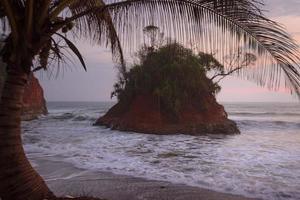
[64, 179]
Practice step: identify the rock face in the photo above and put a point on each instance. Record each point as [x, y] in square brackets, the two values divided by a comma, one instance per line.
[34, 103]
[144, 115]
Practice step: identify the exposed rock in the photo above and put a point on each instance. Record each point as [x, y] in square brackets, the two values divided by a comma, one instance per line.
[144, 115]
[169, 92]
[34, 103]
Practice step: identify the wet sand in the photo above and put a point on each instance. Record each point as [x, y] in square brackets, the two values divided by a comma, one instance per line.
[65, 179]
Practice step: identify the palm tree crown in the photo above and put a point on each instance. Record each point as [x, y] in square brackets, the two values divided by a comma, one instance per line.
[222, 26]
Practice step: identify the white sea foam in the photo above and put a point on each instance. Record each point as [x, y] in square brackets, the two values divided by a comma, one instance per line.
[261, 162]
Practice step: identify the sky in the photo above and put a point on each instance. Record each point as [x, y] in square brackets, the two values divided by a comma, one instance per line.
[74, 84]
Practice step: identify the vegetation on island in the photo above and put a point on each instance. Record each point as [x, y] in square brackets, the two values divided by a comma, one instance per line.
[177, 85]
[173, 74]
[39, 33]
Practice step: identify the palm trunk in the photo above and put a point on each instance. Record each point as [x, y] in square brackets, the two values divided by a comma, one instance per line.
[18, 180]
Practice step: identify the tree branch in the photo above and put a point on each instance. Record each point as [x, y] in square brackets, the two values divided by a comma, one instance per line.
[225, 74]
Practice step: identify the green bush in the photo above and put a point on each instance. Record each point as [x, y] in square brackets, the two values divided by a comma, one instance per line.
[172, 73]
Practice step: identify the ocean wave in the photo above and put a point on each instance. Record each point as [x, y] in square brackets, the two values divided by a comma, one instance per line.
[222, 165]
[261, 162]
[63, 116]
[75, 116]
[264, 124]
[264, 114]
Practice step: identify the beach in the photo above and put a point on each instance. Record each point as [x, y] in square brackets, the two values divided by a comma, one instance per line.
[65, 179]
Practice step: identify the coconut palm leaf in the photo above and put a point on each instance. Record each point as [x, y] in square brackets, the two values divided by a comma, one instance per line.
[74, 50]
[218, 25]
[212, 25]
[100, 28]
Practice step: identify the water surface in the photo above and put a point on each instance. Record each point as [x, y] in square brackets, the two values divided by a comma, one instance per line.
[263, 161]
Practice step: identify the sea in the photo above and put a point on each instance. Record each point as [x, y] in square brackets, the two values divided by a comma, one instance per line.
[262, 162]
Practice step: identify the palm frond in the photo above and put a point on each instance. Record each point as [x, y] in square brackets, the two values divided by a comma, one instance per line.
[9, 8]
[44, 55]
[213, 26]
[216, 26]
[99, 27]
[74, 50]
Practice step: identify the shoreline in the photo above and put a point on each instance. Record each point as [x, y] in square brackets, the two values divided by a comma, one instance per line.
[65, 179]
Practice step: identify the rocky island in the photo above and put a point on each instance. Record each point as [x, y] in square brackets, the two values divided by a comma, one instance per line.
[144, 116]
[169, 92]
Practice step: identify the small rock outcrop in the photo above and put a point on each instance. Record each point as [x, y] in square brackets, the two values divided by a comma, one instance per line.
[144, 115]
[169, 92]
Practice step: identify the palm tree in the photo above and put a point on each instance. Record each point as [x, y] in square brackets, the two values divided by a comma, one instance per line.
[37, 34]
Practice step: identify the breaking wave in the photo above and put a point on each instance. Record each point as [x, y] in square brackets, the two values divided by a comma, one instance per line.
[262, 162]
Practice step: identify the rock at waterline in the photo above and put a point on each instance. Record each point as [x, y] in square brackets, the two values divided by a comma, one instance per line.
[169, 92]
[34, 103]
[144, 115]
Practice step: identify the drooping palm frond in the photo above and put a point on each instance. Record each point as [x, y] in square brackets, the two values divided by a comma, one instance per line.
[74, 50]
[270, 36]
[99, 27]
[219, 26]
[46, 17]
[215, 26]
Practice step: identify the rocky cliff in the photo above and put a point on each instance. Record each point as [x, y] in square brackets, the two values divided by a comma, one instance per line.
[34, 103]
[144, 115]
